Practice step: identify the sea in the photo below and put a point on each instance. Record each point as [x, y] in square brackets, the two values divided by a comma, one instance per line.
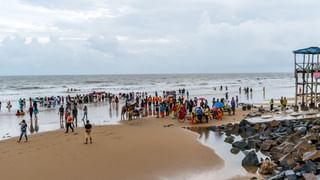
[12, 88]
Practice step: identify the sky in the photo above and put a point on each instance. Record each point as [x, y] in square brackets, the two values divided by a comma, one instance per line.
[47, 37]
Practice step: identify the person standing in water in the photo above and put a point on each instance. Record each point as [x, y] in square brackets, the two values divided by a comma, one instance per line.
[9, 106]
[88, 128]
[85, 113]
[23, 129]
[75, 115]
[233, 106]
[61, 114]
[31, 112]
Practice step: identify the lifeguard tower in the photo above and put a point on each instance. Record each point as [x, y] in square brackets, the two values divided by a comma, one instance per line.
[307, 73]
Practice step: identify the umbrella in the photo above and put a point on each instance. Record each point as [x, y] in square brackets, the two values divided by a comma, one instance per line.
[219, 105]
[202, 98]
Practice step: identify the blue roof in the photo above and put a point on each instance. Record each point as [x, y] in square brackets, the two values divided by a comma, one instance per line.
[310, 50]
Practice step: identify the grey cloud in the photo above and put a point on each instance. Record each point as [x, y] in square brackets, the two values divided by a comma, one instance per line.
[160, 36]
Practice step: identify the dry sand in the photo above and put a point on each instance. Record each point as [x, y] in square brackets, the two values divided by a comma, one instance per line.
[139, 149]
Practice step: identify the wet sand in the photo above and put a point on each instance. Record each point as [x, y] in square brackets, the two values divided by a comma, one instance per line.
[141, 149]
[138, 149]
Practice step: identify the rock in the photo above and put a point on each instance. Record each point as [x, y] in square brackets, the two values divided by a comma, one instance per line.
[309, 167]
[244, 123]
[213, 128]
[309, 176]
[234, 150]
[300, 130]
[316, 122]
[235, 129]
[250, 131]
[227, 132]
[242, 145]
[254, 114]
[229, 125]
[267, 132]
[303, 147]
[311, 155]
[284, 130]
[257, 126]
[315, 129]
[293, 138]
[229, 139]
[247, 131]
[267, 144]
[290, 175]
[281, 139]
[251, 159]
[267, 167]
[274, 123]
[253, 144]
[297, 152]
[281, 150]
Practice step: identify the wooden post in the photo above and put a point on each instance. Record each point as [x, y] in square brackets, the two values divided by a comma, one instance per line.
[296, 76]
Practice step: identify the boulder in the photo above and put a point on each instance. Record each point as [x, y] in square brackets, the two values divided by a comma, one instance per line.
[274, 123]
[267, 144]
[315, 129]
[257, 126]
[251, 159]
[242, 145]
[235, 129]
[303, 147]
[229, 139]
[281, 150]
[290, 175]
[316, 122]
[250, 131]
[300, 130]
[308, 167]
[267, 167]
[253, 144]
[311, 155]
[244, 123]
[309, 176]
[234, 150]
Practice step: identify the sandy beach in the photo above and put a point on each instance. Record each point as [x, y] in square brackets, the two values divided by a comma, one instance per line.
[138, 149]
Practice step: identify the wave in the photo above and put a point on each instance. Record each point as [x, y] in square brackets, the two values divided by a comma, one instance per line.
[203, 84]
[94, 82]
[31, 88]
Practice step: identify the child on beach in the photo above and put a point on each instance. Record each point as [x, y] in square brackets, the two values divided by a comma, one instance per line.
[88, 128]
[23, 128]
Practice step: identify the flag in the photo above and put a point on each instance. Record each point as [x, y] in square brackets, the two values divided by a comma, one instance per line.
[316, 75]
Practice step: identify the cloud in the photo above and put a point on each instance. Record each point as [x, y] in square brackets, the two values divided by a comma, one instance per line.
[140, 36]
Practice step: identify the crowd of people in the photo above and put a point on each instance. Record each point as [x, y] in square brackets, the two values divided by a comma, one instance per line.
[176, 104]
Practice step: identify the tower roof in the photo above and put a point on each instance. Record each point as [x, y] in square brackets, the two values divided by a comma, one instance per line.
[310, 50]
